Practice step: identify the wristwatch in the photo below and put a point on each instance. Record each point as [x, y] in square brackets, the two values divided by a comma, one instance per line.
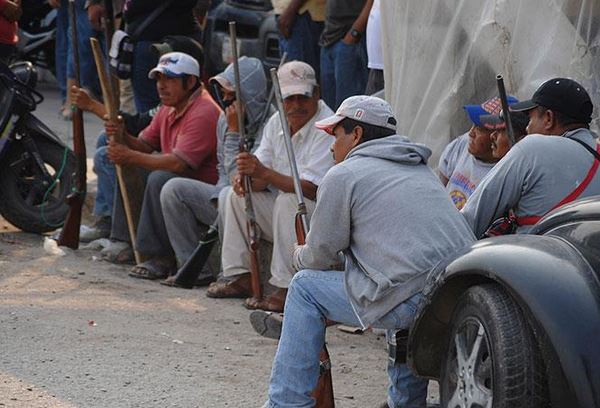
[354, 33]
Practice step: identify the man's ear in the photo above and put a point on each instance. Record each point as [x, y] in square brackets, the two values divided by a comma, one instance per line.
[549, 120]
[357, 134]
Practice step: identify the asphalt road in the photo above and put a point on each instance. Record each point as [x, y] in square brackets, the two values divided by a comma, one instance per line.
[76, 331]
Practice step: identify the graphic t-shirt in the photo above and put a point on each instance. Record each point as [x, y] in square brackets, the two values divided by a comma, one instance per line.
[463, 171]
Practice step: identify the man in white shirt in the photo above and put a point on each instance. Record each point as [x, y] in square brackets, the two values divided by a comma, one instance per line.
[273, 195]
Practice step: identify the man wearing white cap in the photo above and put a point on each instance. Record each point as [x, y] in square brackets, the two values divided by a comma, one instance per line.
[273, 195]
[183, 133]
[388, 214]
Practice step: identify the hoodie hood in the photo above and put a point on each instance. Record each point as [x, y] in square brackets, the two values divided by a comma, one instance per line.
[254, 88]
[394, 148]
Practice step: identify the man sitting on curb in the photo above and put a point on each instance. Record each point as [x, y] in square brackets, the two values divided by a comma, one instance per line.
[468, 158]
[385, 210]
[189, 206]
[180, 141]
[555, 164]
[273, 198]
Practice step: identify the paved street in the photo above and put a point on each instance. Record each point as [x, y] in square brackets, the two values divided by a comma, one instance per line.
[78, 332]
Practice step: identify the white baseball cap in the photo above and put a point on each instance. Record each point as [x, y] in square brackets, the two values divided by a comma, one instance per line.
[362, 108]
[176, 65]
[296, 78]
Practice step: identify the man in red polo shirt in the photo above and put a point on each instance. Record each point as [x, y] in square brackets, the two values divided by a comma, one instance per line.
[180, 141]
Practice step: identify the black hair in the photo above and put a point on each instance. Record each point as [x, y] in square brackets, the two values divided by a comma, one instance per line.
[186, 79]
[562, 119]
[370, 132]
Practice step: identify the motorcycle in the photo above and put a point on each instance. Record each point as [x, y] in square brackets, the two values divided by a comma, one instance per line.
[37, 33]
[37, 170]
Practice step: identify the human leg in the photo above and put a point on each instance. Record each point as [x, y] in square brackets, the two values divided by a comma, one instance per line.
[107, 178]
[303, 43]
[314, 297]
[351, 72]
[328, 75]
[145, 95]
[186, 206]
[152, 238]
[284, 237]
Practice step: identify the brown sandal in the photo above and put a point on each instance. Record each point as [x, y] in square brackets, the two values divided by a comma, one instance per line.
[239, 288]
[273, 303]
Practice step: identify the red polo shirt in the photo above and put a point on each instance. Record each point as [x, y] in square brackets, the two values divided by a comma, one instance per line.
[8, 29]
[191, 135]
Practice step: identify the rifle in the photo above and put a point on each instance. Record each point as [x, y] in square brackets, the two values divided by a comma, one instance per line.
[130, 184]
[505, 110]
[186, 275]
[69, 235]
[247, 180]
[323, 393]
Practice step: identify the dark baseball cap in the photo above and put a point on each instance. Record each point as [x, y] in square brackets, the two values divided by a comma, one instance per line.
[562, 95]
[180, 43]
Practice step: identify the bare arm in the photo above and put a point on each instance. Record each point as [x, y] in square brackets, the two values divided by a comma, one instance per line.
[360, 24]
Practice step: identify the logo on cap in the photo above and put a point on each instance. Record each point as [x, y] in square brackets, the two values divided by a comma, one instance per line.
[359, 113]
[301, 76]
[169, 60]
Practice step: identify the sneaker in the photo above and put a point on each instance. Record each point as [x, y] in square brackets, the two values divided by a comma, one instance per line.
[100, 229]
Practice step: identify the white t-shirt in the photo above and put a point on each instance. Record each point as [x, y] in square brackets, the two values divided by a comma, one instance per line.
[311, 147]
[374, 50]
[463, 171]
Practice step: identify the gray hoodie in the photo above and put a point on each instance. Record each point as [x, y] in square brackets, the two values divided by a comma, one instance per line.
[390, 216]
[254, 94]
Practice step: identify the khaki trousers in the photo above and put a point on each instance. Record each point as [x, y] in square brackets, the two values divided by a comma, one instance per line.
[275, 214]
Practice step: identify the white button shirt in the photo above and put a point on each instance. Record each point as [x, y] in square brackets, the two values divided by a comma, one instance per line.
[311, 147]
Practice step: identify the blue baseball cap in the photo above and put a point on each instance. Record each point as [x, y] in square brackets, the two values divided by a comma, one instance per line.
[492, 106]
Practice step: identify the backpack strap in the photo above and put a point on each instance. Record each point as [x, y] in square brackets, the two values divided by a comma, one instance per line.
[533, 219]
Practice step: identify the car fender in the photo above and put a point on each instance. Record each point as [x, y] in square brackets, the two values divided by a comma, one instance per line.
[555, 287]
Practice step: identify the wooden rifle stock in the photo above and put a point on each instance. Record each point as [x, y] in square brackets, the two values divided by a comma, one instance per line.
[323, 393]
[247, 180]
[130, 183]
[69, 235]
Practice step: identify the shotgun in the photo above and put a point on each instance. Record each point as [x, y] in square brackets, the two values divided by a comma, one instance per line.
[245, 147]
[505, 110]
[186, 275]
[69, 235]
[323, 393]
[130, 184]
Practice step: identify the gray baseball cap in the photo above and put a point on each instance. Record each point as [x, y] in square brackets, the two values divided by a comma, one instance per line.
[362, 108]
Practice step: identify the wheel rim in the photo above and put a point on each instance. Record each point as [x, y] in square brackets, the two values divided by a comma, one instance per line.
[470, 377]
[33, 186]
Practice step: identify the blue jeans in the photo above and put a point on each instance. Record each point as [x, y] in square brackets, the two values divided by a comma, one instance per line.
[61, 49]
[303, 44]
[107, 179]
[87, 65]
[145, 95]
[314, 296]
[344, 72]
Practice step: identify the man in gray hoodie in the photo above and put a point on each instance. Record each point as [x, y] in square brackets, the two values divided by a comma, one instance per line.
[384, 212]
[189, 206]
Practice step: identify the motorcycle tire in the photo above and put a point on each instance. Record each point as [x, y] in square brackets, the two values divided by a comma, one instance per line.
[25, 201]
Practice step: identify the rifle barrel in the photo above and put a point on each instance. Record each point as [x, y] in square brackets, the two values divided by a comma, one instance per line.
[505, 109]
[287, 136]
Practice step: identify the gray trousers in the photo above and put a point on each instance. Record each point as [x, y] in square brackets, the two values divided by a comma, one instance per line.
[275, 214]
[152, 237]
[187, 211]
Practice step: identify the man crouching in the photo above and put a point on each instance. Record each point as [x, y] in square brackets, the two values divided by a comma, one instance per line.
[388, 214]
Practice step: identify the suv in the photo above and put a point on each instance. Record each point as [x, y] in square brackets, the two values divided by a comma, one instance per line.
[257, 34]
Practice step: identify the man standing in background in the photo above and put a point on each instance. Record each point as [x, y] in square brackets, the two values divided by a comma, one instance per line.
[300, 24]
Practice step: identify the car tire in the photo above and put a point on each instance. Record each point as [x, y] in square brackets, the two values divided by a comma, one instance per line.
[493, 359]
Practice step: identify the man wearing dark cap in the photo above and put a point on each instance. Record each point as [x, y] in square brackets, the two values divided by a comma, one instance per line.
[541, 173]
[386, 212]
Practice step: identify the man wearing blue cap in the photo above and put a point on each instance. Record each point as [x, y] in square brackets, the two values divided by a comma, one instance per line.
[467, 159]
[555, 164]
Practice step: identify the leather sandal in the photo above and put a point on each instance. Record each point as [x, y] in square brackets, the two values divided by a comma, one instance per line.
[273, 302]
[238, 288]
